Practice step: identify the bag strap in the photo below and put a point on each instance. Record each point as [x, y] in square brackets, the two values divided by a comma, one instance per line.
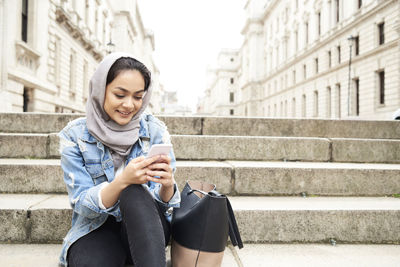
[233, 228]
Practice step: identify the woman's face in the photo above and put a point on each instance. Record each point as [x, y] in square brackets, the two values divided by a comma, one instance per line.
[124, 96]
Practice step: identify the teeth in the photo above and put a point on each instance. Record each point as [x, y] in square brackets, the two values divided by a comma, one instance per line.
[124, 113]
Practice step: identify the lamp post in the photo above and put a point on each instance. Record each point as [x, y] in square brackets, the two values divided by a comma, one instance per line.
[110, 47]
[350, 39]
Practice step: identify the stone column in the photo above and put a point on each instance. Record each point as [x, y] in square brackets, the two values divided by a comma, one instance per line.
[397, 23]
[4, 103]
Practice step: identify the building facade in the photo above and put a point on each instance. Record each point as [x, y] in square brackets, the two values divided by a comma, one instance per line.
[50, 49]
[222, 86]
[319, 58]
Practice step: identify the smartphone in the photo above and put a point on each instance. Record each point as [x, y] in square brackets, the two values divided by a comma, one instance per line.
[159, 149]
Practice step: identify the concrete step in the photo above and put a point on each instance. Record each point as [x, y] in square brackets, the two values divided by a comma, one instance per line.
[307, 255]
[231, 177]
[46, 255]
[46, 175]
[195, 147]
[236, 126]
[46, 218]
[252, 255]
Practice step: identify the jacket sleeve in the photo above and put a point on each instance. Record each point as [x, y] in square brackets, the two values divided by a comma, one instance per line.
[162, 136]
[82, 193]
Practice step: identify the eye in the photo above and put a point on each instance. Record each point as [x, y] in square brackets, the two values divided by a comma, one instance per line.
[138, 97]
[119, 96]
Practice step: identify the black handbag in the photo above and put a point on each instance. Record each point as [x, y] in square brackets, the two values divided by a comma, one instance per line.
[201, 225]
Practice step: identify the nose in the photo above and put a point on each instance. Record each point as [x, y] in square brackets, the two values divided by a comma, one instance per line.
[128, 103]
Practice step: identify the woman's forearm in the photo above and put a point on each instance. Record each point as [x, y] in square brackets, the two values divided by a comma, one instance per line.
[110, 193]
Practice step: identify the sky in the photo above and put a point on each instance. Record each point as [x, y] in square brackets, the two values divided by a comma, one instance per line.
[188, 36]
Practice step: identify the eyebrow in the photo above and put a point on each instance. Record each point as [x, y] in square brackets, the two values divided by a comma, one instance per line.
[123, 89]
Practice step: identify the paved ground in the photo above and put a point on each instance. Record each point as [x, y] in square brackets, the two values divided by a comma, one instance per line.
[257, 255]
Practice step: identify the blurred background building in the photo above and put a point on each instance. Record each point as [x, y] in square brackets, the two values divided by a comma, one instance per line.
[315, 58]
[50, 48]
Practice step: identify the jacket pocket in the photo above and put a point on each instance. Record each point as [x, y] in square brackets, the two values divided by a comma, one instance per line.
[96, 172]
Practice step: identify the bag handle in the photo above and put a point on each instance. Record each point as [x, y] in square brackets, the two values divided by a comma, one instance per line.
[234, 233]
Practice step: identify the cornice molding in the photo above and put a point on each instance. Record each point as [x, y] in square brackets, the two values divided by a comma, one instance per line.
[65, 19]
[316, 46]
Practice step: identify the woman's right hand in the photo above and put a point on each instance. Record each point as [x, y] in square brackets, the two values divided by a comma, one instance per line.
[135, 171]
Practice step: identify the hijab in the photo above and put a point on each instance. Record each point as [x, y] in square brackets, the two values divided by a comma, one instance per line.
[118, 138]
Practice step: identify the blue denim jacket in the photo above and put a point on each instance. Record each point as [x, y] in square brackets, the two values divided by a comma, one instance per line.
[87, 163]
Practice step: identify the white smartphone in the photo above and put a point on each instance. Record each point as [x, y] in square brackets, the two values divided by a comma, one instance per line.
[159, 149]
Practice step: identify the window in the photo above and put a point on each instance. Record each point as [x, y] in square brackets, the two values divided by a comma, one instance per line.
[303, 107]
[339, 54]
[357, 96]
[381, 30]
[24, 24]
[316, 65]
[315, 104]
[306, 29]
[27, 98]
[285, 112]
[360, 3]
[319, 23]
[338, 96]
[96, 21]
[231, 112]
[294, 77]
[232, 80]
[357, 45]
[231, 97]
[57, 65]
[285, 44]
[85, 81]
[328, 102]
[286, 80]
[277, 24]
[87, 12]
[329, 59]
[381, 75]
[305, 71]
[104, 29]
[293, 107]
[337, 6]
[72, 68]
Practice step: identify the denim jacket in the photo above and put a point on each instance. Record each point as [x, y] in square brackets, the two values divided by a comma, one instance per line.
[87, 163]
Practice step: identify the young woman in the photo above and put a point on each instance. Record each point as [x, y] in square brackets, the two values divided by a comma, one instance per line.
[120, 198]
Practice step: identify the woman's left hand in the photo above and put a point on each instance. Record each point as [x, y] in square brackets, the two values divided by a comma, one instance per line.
[161, 168]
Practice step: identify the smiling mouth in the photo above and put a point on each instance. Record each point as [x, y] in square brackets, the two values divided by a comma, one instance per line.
[124, 113]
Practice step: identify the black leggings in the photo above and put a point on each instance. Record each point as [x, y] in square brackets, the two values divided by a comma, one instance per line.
[140, 239]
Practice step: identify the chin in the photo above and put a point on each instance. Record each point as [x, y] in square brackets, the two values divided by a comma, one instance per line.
[123, 122]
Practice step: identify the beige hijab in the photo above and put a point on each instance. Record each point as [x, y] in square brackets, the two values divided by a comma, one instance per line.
[119, 139]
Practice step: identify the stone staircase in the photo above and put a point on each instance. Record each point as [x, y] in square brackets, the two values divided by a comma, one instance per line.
[305, 192]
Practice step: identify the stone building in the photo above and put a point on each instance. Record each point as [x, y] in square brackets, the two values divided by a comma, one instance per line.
[222, 85]
[50, 48]
[318, 58]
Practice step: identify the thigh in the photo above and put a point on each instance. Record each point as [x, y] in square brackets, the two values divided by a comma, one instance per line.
[139, 207]
[102, 247]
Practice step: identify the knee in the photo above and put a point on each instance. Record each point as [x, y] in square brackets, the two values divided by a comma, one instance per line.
[135, 194]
